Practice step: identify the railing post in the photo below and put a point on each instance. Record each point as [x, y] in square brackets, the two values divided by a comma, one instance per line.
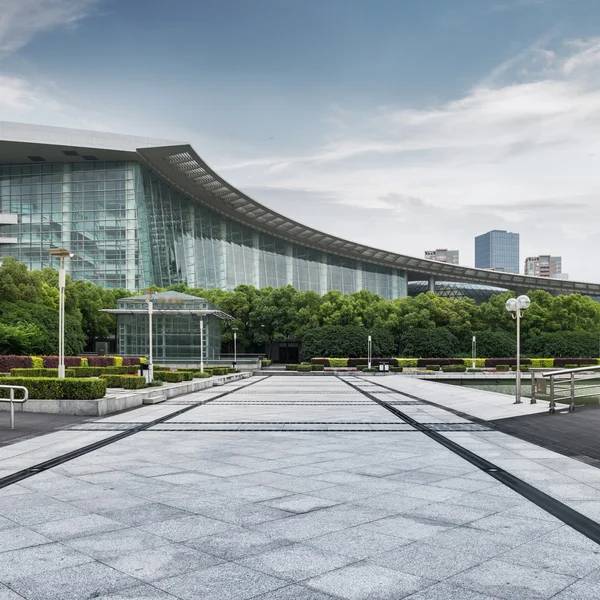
[533, 388]
[12, 408]
[572, 407]
[552, 403]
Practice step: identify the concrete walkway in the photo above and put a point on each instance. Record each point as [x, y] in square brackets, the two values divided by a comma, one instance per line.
[292, 488]
[477, 403]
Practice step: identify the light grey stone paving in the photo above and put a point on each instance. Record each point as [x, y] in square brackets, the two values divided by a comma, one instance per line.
[315, 514]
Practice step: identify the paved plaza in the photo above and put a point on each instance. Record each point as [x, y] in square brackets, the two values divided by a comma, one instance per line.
[295, 488]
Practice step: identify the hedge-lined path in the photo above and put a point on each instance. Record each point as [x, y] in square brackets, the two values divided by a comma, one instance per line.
[336, 506]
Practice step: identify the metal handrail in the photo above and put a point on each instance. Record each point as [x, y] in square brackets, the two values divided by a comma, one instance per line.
[563, 380]
[12, 400]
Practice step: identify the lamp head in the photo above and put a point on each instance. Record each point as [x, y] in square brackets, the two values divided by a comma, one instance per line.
[512, 305]
[59, 252]
[523, 302]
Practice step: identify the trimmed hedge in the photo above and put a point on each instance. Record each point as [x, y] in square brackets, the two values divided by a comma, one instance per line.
[34, 372]
[169, 376]
[523, 367]
[542, 363]
[265, 363]
[291, 367]
[129, 382]
[454, 368]
[502, 367]
[187, 375]
[97, 371]
[479, 362]
[220, 370]
[304, 368]
[433, 367]
[326, 362]
[494, 362]
[199, 375]
[128, 361]
[423, 362]
[580, 362]
[407, 362]
[371, 370]
[101, 361]
[318, 367]
[15, 362]
[118, 361]
[375, 362]
[51, 362]
[396, 369]
[52, 388]
[37, 362]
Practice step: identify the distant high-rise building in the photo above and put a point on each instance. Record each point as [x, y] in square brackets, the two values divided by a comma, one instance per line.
[443, 255]
[545, 265]
[497, 250]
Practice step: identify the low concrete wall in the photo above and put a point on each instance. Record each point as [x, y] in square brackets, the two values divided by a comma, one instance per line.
[117, 400]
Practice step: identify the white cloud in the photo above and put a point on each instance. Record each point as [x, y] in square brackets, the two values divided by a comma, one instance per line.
[21, 20]
[520, 150]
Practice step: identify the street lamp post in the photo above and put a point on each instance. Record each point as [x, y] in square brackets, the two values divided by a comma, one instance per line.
[474, 351]
[61, 253]
[201, 344]
[517, 306]
[234, 347]
[150, 301]
[369, 351]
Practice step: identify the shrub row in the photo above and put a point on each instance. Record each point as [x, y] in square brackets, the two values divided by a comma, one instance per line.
[75, 372]
[51, 388]
[9, 362]
[265, 363]
[480, 363]
[169, 376]
[129, 382]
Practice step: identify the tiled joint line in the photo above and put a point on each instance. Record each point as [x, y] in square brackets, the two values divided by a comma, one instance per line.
[561, 511]
[63, 458]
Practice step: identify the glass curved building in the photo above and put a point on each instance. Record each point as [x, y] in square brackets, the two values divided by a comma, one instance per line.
[136, 212]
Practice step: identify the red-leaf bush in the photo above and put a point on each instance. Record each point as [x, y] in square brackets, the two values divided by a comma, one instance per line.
[15, 362]
[51, 362]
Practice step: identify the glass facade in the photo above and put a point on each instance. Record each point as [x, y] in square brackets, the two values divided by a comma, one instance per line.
[455, 290]
[128, 228]
[175, 337]
[497, 250]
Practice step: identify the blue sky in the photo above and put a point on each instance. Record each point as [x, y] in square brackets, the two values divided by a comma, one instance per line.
[405, 125]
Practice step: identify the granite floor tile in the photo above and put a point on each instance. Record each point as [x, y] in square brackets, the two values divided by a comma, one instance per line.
[367, 581]
[147, 513]
[299, 503]
[164, 561]
[292, 592]
[296, 562]
[358, 542]
[186, 528]
[14, 538]
[445, 591]
[77, 527]
[7, 594]
[228, 581]
[38, 559]
[576, 562]
[236, 543]
[425, 560]
[141, 592]
[408, 528]
[509, 581]
[82, 582]
[103, 546]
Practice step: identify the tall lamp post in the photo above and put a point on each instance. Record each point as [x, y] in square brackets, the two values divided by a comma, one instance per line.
[474, 351]
[234, 346]
[517, 306]
[369, 351]
[61, 253]
[201, 344]
[150, 301]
